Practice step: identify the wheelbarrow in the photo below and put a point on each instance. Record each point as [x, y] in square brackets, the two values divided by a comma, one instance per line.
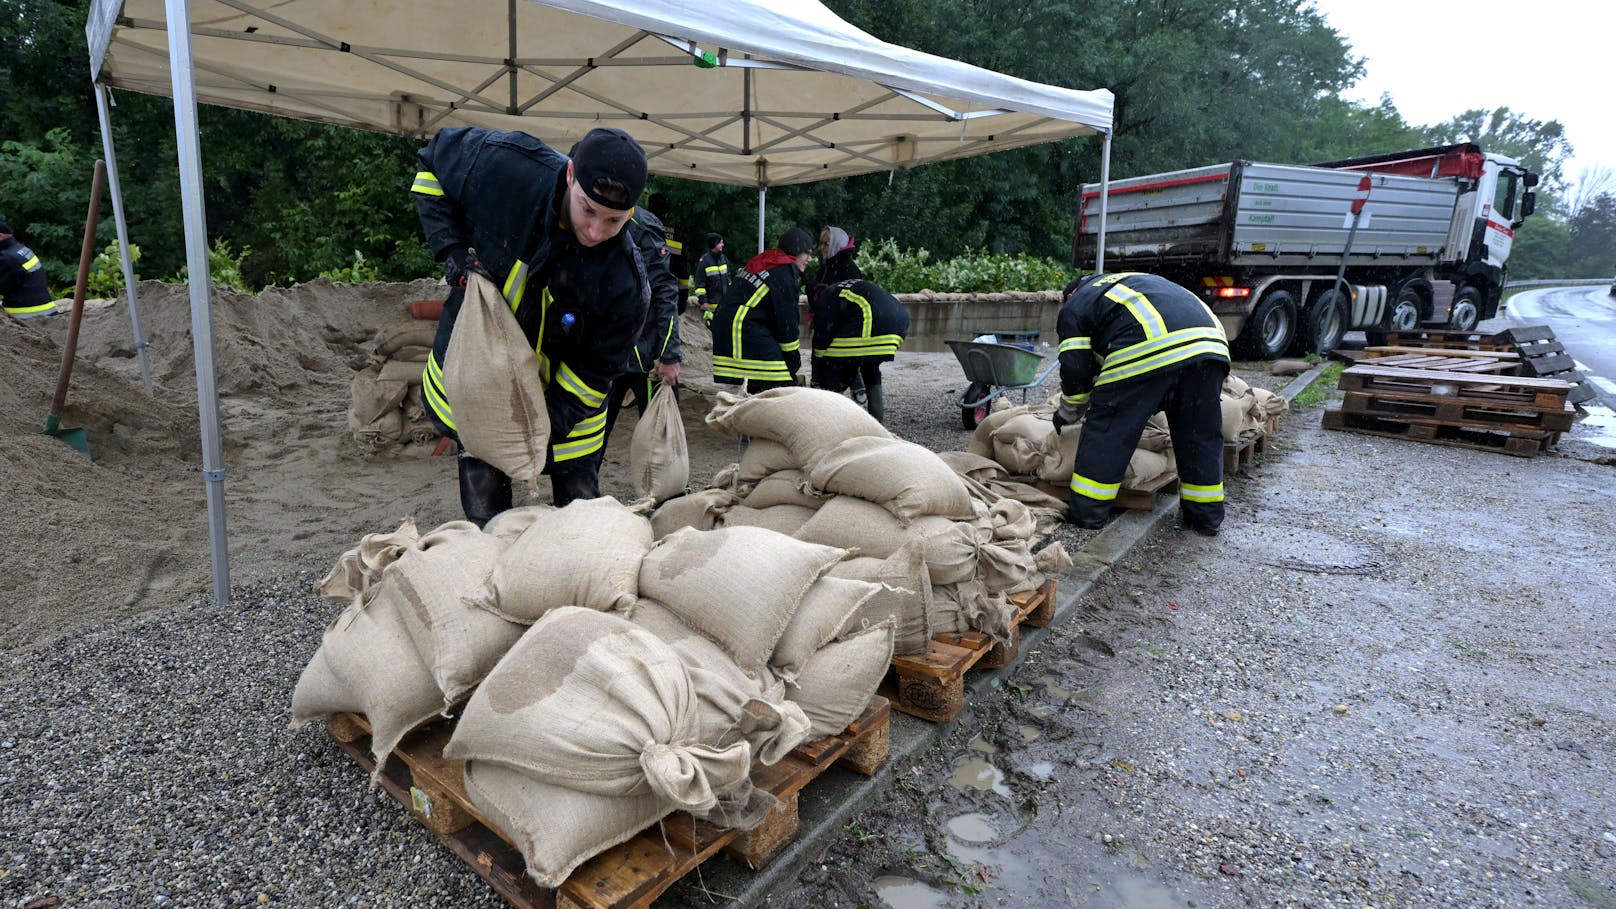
[994, 369]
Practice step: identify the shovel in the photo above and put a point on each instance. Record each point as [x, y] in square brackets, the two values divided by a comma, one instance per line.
[76, 437]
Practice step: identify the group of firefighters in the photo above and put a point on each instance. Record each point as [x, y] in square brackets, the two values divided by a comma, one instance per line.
[597, 288]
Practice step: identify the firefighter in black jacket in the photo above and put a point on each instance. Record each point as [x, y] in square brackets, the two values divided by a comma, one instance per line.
[756, 335]
[557, 236]
[1132, 344]
[673, 238]
[659, 356]
[857, 327]
[712, 278]
[22, 279]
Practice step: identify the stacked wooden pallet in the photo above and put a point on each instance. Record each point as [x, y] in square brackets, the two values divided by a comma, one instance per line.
[931, 685]
[627, 876]
[1537, 353]
[1517, 415]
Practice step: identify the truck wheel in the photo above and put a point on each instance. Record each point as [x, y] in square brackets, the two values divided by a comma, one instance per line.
[971, 416]
[1325, 322]
[1466, 311]
[1406, 315]
[1269, 328]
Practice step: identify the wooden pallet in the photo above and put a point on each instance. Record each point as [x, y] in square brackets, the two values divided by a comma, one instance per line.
[1247, 449]
[1501, 362]
[1445, 338]
[628, 876]
[1542, 356]
[1446, 411]
[1518, 393]
[1519, 443]
[931, 685]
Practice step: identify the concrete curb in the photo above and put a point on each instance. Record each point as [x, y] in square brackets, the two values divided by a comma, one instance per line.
[826, 806]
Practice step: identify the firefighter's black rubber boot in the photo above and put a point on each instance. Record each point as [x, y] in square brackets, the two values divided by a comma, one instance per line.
[484, 490]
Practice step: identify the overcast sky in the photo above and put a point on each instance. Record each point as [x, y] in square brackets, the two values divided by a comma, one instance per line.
[1545, 59]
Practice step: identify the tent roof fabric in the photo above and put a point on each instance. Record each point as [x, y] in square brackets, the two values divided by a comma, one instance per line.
[796, 95]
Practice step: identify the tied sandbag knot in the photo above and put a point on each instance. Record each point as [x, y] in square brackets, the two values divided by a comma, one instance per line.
[691, 776]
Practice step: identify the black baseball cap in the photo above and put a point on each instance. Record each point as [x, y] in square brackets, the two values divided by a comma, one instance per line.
[796, 241]
[610, 167]
[713, 239]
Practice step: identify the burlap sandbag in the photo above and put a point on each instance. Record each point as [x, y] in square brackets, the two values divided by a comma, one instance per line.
[763, 457]
[786, 519]
[825, 610]
[367, 664]
[382, 433]
[586, 554]
[510, 523]
[492, 379]
[1060, 472]
[356, 571]
[406, 371]
[1052, 559]
[1026, 445]
[699, 510]
[1143, 467]
[372, 397]
[459, 643]
[1003, 564]
[950, 546]
[1012, 520]
[982, 437]
[968, 606]
[737, 585]
[904, 596]
[397, 335]
[784, 487]
[1156, 436]
[908, 480]
[591, 701]
[557, 828]
[732, 704]
[659, 460]
[836, 684]
[411, 354]
[807, 421]
[1234, 386]
[1267, 405]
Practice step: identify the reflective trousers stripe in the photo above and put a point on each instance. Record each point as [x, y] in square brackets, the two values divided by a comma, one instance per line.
[1192, 493]
[1103, 492]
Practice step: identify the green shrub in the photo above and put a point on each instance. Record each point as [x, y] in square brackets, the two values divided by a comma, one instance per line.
[362, 271]
[106, 271]
[224, 267]
[976, 271]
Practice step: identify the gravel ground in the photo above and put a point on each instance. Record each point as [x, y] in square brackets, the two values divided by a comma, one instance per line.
[1431, 728]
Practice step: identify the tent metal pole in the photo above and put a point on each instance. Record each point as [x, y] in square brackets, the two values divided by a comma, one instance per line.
[762, 191]
[201, 283]
[141, 344]
[1105, 196]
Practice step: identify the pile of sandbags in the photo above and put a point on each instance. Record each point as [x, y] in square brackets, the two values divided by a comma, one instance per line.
[944, 550]
[612, 677]
[387, 410]
[1247, 410]
[1022, 439]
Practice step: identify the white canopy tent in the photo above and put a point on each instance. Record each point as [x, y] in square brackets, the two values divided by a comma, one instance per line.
[727, 91]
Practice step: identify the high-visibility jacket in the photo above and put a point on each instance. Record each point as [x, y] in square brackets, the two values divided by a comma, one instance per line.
[678, 263]
[755, 329]
[1119, 327]
[858, 321]
[659, 339]
[22, 281]
[712, 280]
[582, 308]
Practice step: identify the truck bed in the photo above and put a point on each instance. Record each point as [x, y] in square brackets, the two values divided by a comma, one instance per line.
[1261, 215]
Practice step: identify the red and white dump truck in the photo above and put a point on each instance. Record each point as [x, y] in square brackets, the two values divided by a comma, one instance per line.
[1416, 237]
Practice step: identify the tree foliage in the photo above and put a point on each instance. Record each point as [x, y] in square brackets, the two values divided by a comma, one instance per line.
[1195, 82]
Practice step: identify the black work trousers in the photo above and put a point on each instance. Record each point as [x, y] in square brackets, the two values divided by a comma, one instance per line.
[1190, 396]
[485, 490]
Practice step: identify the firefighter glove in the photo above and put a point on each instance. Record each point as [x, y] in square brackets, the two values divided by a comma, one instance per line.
[458, 263]
[1066, 414]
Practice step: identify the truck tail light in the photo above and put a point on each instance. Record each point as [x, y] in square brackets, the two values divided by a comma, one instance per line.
[1231, 293]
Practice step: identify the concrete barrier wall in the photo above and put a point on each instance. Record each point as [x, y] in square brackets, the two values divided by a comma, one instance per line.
[936, 317]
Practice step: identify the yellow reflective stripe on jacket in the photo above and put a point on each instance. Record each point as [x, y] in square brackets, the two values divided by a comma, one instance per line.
[1192, 493]
[1140, 307]
[717, 269]
[32, 264]
[880, 345]
[701, 291]
[763, 370]
[674, 246]
[572, 382]
[586, 438]
[426, 183]
[864, 309]
[1093, 489]
[1181, 349]
[1076, 400]
[739, 321]
[432, 391]
[23, 312]
[1078, 343]
[545, 299]
[788, 346]
[515, 285]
